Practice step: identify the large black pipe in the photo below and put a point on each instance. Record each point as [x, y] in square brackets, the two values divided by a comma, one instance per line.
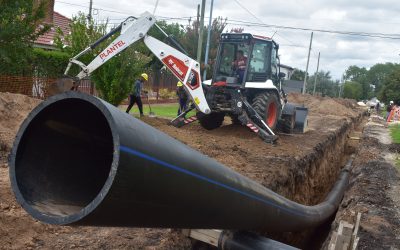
[79, 160]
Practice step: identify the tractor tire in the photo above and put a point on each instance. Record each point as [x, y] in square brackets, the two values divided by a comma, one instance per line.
[211, 121]
[268, 106]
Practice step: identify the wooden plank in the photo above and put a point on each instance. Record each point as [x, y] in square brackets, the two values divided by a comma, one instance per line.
[340, 230]
[213, 233]
[355, 243]
[345, 228]
[340, 241]
[209, 236]
[348, 230]
[343, 236]
[332, 244]
[355, 232]
[357, 226]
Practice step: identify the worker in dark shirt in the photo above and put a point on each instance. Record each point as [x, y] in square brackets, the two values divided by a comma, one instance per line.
[135, 97]
[183, 98]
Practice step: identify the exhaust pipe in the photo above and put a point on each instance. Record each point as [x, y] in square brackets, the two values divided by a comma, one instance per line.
[79, 160]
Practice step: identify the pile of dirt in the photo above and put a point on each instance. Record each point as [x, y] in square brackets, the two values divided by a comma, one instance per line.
[294, 167]
[325, 105]
[13, 110]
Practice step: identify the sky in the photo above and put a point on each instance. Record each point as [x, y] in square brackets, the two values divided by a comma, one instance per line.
[338, 51]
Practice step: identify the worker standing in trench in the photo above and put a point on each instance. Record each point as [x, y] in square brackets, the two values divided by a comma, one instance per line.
[137, 91]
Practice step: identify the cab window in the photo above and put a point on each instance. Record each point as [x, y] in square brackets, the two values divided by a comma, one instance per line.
[260, 62]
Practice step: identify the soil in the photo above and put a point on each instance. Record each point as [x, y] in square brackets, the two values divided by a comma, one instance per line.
[301, 167]
[13, 110]
[374, 189]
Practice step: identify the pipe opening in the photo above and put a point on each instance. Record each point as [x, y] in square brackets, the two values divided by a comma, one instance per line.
[64, 157]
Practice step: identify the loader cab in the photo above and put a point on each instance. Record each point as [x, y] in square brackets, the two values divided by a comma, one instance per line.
[245, 58]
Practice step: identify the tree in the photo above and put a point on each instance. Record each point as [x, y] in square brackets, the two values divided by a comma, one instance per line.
[19, 28]
[189, 41]
[298, 75]
[83, 33]
[355, 74]
[391, 88]
[360, 75]
[324, 85]
[237, 30]
[378, 73]
[352, 90]
[114, 79]
[371, 79]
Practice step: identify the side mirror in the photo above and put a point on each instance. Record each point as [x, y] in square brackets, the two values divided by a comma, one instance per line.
[281, 75]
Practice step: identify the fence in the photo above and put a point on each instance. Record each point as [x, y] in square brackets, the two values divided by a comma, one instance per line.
[38, 87]
[159, 81]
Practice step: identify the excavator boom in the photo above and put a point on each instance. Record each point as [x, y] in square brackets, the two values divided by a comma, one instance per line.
[133, 29]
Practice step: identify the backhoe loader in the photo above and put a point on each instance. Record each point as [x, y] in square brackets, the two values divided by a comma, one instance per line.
[246, 82]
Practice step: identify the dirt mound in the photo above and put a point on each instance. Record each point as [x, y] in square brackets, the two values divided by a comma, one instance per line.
[13, 110]
[325, 105]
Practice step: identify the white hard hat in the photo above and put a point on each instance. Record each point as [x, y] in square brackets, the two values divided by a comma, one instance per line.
[391, 102]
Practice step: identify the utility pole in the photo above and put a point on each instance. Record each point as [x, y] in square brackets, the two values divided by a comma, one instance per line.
[308, 61]
[90, 11]
[316, 74]
[198, 18]
[200, 42]
[208, 41]
[341, 87]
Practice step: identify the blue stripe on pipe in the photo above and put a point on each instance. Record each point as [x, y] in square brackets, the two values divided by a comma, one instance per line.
[203, 178]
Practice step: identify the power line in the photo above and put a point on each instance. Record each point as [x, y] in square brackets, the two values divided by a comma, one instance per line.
[112, 11]
[248, 11]
[262, 24]
[353, 33]
[72, 4]
[293, 45]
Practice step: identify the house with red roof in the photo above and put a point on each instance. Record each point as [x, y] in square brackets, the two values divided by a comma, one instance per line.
[55, 20]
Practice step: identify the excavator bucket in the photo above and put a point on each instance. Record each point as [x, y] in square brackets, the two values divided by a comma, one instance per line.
[301, 124]
[294, 119]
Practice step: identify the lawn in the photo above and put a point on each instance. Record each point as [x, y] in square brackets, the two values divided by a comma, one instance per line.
[395, 133]
[161, 110]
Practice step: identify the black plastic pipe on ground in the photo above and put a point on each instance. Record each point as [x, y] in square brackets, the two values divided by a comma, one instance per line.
[79, 160]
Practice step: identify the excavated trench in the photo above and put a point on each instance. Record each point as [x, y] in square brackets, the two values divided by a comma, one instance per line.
[311, 177]
[302, 168]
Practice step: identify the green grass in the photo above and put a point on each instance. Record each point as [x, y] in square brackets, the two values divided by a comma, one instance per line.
[398, 163]
[395, 133]
[161, 110]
